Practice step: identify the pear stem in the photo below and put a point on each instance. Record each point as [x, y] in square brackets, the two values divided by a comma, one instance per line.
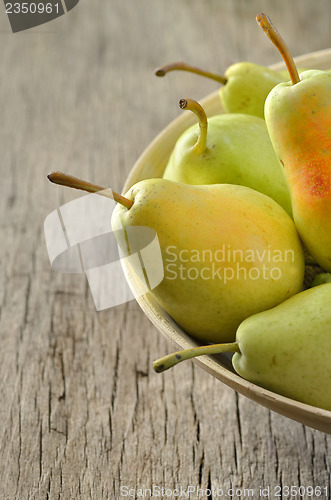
[173, 359]
[73, 182]
[265, 23]
[192, 105]
[181, 66]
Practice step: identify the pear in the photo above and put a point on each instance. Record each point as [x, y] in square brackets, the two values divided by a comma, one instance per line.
[285, 349]
[294, 339]
[245, 85]
[321, 278]
[298, 117]
[228, 149]
[228, 251]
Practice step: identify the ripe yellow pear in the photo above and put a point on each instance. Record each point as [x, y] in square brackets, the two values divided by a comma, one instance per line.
[298, 117]
[227, 251]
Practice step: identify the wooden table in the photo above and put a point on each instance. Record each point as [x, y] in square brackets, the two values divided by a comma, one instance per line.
[83, 414]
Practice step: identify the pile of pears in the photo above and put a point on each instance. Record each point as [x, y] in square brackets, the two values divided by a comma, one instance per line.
[245, 196]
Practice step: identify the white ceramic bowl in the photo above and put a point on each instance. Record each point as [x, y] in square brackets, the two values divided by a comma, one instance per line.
[151, 164]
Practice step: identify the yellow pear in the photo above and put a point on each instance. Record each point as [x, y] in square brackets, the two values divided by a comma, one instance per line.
[227, 251]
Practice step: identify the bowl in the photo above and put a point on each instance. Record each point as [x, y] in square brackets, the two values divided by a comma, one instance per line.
[151, 164]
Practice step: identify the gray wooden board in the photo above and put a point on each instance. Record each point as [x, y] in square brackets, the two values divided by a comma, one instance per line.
[82, 412]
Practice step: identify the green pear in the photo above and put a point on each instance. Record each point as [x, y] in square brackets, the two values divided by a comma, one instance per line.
[285, 349]
[298, 117]
[245, 85]
[321, 278]
[228, 252]
[228, 149]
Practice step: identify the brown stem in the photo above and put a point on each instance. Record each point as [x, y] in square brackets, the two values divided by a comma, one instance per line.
[181, 66]
[73, 182]
[265, 23]
[192, 105]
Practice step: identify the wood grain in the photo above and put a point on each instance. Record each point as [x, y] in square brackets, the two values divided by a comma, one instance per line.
[82, 412]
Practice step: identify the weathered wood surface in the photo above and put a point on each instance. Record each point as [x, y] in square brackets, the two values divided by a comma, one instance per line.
[82, 412]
